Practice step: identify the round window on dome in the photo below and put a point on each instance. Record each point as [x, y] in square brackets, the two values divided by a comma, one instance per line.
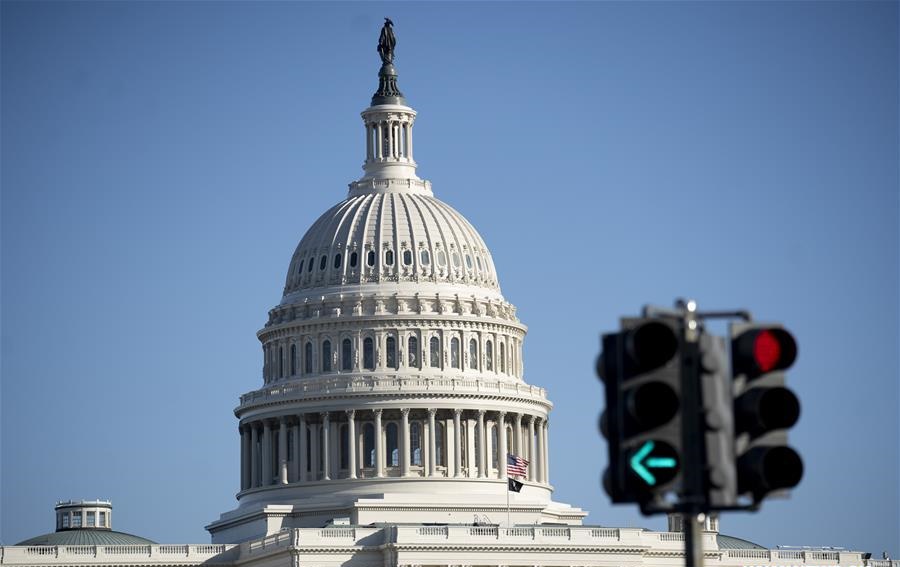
[309, 266]
[389, 258]
[424, 257]
[407, 257]
[478, 261]
[468, 261]
[353, 259]
[323, 262]
[300, 267]
[455, 260]
[337, 261]
[370, 258]
[441, 258]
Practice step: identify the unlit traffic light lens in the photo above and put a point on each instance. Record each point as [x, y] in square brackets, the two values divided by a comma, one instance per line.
[652, 345]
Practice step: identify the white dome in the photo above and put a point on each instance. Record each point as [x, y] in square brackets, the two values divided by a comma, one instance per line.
[388, 232]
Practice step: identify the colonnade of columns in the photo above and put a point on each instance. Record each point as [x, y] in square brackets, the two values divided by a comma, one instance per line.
[424, 442]
[389, 140]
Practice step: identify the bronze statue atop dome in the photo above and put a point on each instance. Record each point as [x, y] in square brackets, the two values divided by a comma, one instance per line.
[386, 42]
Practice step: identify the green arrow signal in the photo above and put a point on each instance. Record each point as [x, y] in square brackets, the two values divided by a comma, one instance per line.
[641, 466]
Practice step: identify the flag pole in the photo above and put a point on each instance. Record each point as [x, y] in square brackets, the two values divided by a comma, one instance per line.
[508, 525]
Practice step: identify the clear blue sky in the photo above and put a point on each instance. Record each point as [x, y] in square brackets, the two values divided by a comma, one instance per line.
[160, 162]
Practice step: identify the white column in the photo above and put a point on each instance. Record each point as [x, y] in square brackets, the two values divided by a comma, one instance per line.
[457, 443]
[501, 439]
[517, 436]
[295, 447]
[302, 461]
[254, 456]
[379, 446]
[379, 139]
[545, 431]
[532, 462]
[282, 452]
[351, 438]
[482, 466]
[368, 142]
[267, 454]
[432, 442]
[326, 453]
[404, 446]
[539, 451]
[409, 145]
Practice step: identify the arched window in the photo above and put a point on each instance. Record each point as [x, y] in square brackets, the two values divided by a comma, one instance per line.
[323, 262]
[473, 354]
[454, 352]
[393, 453]
[281, 362]
[440, 431]
[489, 356]
[370, 258]
[307, 354]
[415, 443]
[413, 354]
[346, 355]
[293, 360]
[368, 445]
[424, 257]
[354, 258]
[337, 261]
[389, 258]
[345, 446]
[368, 353]
[391, 346]
[407, 257]
[503, 357]
[434, 348]
[326, 356]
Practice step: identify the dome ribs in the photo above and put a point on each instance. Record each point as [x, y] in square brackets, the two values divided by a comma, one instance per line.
[427, 229]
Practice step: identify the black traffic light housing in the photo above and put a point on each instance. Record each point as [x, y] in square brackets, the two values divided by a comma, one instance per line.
[641, 369]
[764, 409]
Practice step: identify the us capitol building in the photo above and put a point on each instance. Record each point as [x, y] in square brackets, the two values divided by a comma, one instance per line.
[393, 392]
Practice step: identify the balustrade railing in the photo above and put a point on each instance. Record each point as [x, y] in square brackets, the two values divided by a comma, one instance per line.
[350, 384]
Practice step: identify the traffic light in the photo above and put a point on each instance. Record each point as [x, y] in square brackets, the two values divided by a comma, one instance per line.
[641, 369]
[720, 478]
[763, 409]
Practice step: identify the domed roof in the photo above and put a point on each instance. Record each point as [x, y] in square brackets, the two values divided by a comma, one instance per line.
[86, 536]
[391, 231]
[731, 542]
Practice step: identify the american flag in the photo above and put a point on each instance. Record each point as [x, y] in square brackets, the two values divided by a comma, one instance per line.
[516, 466]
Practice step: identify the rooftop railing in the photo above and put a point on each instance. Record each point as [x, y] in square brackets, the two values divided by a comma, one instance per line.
[314, 387]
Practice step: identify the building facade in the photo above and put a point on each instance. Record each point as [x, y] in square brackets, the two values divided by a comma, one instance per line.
[393, 395]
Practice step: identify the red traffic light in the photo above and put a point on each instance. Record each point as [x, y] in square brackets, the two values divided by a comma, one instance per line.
[763, 350]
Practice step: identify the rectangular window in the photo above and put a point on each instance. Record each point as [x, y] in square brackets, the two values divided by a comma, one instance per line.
[91, 519]
[76, 519]
[65, 520]
[102, 523]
